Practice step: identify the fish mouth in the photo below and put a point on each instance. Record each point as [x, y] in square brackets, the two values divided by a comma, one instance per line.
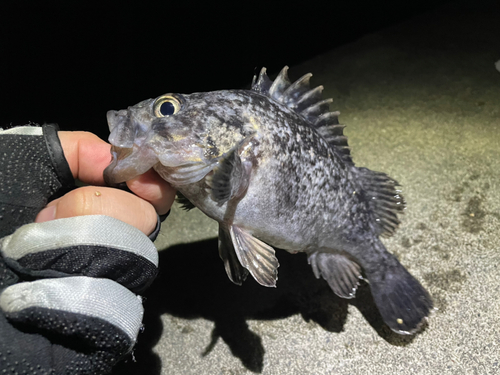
[128, 163]
[122, 131]
[121, 153]
[130, 156]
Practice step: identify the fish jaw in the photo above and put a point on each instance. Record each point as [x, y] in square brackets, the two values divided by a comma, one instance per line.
[128, 163]
[130, 155]
[121, 130]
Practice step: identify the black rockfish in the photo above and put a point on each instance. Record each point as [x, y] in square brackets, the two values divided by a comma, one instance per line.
[272, 166]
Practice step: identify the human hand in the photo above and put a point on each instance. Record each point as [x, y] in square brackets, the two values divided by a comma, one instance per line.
[67, 286]
[88, 156]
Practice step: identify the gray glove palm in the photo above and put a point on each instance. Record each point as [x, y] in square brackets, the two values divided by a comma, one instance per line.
[79, 308]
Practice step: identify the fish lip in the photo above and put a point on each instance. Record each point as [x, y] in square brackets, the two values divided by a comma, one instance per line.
[109, 176]
[116, 117]
[117, 154]
[124, 166]
[120, 153]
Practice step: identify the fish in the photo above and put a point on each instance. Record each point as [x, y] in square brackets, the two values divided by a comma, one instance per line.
[272, 166]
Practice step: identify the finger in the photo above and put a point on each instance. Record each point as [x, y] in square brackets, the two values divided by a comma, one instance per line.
[93, 245]
[151, 187]
[90, 310]
[92, 200]
[88, 156]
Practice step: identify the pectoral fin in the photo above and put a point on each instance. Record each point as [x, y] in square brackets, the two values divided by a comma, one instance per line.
[231, 176]
[236, 273]
[184, 202]
[256, 256]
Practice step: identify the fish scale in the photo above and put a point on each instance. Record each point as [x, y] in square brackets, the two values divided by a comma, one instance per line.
[272, 166]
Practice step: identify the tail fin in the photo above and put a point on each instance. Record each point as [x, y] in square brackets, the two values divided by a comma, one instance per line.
[402, 301]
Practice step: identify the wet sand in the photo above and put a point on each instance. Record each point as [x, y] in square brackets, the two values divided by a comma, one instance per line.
[421, 101]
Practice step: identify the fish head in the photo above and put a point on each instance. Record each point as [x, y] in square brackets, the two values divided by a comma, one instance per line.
[155, 133]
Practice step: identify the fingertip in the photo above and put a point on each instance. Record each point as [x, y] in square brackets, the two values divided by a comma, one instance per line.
[92, 200]
[47, 214]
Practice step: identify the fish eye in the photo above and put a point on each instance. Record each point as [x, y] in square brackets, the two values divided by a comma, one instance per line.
[166, 105]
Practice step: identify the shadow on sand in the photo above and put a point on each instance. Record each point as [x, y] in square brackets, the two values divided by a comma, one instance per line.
[193, 284]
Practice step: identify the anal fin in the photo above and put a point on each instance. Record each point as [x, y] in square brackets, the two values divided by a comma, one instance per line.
[341, 273]
[256, 256]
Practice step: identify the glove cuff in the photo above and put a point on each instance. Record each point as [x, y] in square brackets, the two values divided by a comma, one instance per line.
[56, 153]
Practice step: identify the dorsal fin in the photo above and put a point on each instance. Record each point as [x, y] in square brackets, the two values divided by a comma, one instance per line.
[308, 103]
[297, 90]
[383, 197]
[280, 84]
[262, 83]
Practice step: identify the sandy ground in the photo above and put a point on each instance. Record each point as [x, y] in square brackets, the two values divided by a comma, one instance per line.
[421, 102]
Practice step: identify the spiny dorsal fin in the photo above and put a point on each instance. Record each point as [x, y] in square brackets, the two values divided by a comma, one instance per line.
[297, 90]
[280, 84]
[262, 83]
[307, 102]
[384, 199]
[309, 98]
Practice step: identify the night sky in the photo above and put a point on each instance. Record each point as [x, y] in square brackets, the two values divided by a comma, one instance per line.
[69, 64]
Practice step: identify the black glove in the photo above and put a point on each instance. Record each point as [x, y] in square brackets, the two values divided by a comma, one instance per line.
[67, 286]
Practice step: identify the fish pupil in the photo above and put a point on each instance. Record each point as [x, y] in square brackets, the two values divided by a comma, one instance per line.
[167, 109]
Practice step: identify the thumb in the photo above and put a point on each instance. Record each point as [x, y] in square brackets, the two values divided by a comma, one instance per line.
[92, 200]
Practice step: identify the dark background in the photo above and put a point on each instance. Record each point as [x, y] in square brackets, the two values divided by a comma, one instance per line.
[70, 62]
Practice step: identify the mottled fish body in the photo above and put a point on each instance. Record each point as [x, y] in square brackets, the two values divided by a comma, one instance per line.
[272, 166]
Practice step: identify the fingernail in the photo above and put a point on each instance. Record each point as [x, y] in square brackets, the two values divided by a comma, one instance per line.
[48, 213]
